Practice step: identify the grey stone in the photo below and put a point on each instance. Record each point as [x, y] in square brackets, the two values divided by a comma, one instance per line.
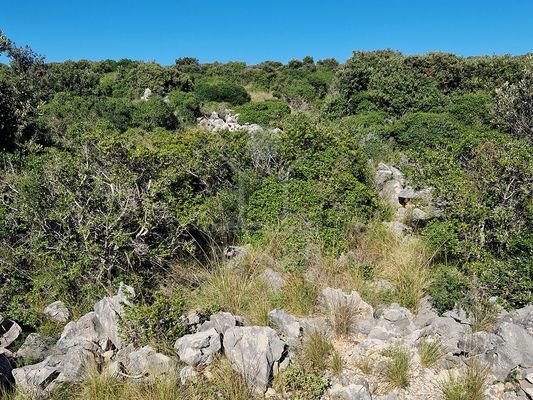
[253, 351]
[425, 313]
[87, 329]
[36, 379]
[235, 252]
[390, 191]
[516, 350]
[187, 375]
[149, 363]
[37, 347]
[108, 311]
[418, 214]
[147, 94]
[221, 322]
[479, 342]
[9, 331]
[350, 392]
[523, 317]
[449, 331]
[78, 361]
[57, 311]
[273, 279]
[334, 298]
[288, 326]
[198, 348]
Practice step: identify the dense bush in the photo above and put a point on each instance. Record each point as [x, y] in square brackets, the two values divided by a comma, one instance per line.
[153, 113]
[221, 91]
[265, 113]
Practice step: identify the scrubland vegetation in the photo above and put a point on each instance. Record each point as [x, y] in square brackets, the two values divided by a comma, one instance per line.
[99, 186]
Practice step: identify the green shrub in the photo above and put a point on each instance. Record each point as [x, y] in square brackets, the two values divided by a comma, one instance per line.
[186, 106]
[221, 91]
[449, 288]
[154, 113]
[265, 113]
[303, 385]
[157, 324]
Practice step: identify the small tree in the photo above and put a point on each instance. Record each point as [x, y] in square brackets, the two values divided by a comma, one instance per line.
[513, 108]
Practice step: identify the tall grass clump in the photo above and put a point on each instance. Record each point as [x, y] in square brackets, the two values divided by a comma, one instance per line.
[470, 384]
[430, 352]
[397, 367]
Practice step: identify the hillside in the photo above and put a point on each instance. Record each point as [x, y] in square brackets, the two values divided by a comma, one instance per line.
[305, 230]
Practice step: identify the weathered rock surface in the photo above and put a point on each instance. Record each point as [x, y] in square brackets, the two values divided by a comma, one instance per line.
[221, 322]
[57, 311]
[37, 379]
[253, 351]
[273, 279]
[199, 348]
[333, 299]
[515, 350]
[353, 391]
[215, 123]
[147, 362]
[9, 331]
[411, 206]
[288, 326]
[37, 347]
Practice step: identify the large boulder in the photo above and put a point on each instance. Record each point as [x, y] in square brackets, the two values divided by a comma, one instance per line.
[254, 352]
[147, 362]
[109, 310]
[515, 350]
[37, 379]
[523, 317]
[449, 331]
[78, 361]
[221, 322]
[37, 347]
[288, 326]
[9, 331]
[87, 329]
[57, 311]
[199, 348]
[274, 280]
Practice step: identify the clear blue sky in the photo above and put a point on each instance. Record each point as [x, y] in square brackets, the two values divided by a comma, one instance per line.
[253, 31]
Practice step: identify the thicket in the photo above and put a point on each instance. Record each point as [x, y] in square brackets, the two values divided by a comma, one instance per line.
[98, 185]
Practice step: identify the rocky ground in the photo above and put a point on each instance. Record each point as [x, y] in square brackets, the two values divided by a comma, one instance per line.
[261, 352]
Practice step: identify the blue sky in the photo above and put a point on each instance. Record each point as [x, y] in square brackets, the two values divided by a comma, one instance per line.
[254, 31]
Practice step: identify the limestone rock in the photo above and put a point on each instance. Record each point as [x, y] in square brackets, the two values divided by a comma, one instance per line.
[516, 350]
[37, 347]
[253, 351]
[221, 322]
[199, 348]
[36, 379]
[351, 392]
[332, 299]
[147, 362]
[57, 311]
[273, 279]
[288, 326]
[109, 310]
[9, 331]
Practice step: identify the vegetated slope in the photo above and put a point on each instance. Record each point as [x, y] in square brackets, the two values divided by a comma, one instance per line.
[103, 181]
